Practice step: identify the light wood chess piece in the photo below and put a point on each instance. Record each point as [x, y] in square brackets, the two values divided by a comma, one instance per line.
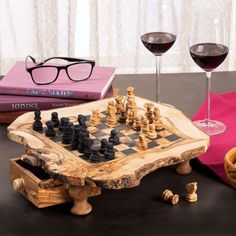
[137, 123]
[130, 117]
[168, 196]
[142, 143]
[145, 126]
[95, 118]
[191, 189]
[152, 132]
[157, 119]
[149, 113]
[111, 113]
[130, 100]
[130, 91]
[119, 104]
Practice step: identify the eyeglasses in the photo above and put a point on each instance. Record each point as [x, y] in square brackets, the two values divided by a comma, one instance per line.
[77, 69]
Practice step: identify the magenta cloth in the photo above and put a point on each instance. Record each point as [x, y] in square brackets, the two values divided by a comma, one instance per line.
[223, 108]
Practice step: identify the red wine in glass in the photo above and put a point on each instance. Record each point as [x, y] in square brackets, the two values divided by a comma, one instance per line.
[158, 42]
[208, 55]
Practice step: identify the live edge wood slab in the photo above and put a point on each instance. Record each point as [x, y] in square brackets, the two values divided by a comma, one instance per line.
[84, 179]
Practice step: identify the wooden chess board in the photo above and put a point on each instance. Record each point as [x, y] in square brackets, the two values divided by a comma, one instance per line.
[177, 143]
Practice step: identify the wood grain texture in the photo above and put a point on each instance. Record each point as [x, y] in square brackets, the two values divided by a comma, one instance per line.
[230, 166]
[116, 174]
[42, 193]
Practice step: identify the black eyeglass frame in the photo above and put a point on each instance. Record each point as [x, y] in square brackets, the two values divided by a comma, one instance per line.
[59, 68]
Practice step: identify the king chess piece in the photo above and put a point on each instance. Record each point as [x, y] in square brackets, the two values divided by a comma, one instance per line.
[37, 125]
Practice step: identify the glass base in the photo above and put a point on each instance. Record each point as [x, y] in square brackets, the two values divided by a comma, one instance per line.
[211, 127]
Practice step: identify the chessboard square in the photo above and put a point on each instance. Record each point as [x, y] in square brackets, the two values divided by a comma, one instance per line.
[128, 131]
[121, 147]
[129, 151]
[98, 134]
[172, 137]
[119, 155]
[92, 129]
[125, 139]
[121, 127]
[101, 126]
[107, 130]
[134, 135]
[103, 119]
[163, 141]
[133, 143]
[97, 142]
[164, 133]
[152, 144]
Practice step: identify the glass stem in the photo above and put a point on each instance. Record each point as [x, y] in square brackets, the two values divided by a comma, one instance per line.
[157, 79]
[208, 97]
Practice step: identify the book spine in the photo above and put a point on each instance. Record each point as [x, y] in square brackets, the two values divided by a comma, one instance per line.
[52, 93]
[28, 106]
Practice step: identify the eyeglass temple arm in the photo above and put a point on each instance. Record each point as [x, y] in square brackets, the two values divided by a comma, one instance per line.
[67, 59]
[33, 59]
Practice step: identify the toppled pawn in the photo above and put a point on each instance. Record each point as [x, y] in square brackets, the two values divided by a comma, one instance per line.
[110, 152]
[95, 156]
[103, 146]
[152, 134]
[114, 138]
[50, 132]
[168, 196]
[37, 125]
[142, 143]
[55, 119]
[191, 189]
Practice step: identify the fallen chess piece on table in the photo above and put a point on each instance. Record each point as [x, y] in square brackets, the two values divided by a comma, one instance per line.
[168, 196]
[191, 189]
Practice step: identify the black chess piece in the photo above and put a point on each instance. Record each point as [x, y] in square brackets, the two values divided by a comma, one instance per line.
[82, 120]
[63, 121]
[103, 146]
[50, 132]
[67, 135]
[114, 137]
[110, 152]
[88, 142]
[75, 138]
[95, 156]
[37, 125]
[54, 118]
[82, 137]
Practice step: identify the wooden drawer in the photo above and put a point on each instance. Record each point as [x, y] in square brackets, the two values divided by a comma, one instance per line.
[36, 185]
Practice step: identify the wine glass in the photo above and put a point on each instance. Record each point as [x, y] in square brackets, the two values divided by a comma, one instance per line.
[158, 31]
[208, 46]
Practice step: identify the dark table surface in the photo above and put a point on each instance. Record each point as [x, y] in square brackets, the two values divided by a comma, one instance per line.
[139, 210]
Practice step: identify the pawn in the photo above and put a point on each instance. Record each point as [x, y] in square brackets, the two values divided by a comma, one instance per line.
[168, 196]
[88, 142]
[142, 143]
[130, 117]
[152, 134]
[114, 137]
[145, 126]
[103, 146]
[54, 118]
[50, 132]
[137, 123]
[191, 189]
[37, 125]
[95, 156]
[109, 153]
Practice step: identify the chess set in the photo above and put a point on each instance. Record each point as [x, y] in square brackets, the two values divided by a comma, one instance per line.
[112, 144]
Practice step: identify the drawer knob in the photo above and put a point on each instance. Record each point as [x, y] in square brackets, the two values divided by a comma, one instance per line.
[18, 184]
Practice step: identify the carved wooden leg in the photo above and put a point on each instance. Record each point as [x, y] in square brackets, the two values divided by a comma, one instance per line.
[80, 194]
[184, 168]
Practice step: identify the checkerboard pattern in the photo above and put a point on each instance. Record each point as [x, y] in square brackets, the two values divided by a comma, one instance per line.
[128, 138]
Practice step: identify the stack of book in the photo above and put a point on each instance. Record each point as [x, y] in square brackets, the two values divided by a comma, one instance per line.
[18, 93]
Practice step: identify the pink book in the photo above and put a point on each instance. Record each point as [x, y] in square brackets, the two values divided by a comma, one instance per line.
[27, 103]
[18, 82]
